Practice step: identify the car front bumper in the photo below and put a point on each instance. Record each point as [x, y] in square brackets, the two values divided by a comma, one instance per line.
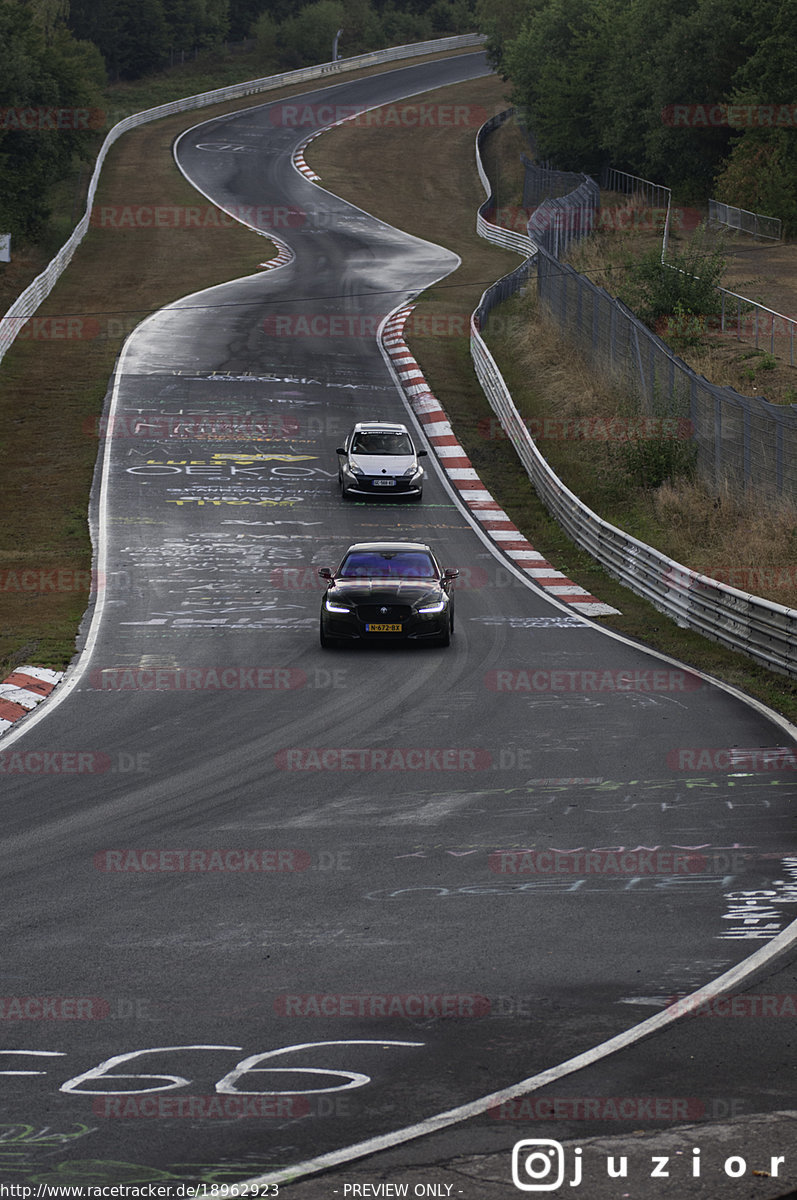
[357, 486]
[414, 628]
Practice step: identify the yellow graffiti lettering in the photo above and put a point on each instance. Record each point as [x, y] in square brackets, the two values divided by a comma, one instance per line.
[202, 502]
[264, 457]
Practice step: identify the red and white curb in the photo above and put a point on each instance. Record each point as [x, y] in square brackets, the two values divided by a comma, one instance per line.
[462, 474]
[298, 155]
[284, 256]
[301, 165]
[23, 690]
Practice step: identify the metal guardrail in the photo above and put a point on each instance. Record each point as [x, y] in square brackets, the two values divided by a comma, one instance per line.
[656, 195]
[754, 320]
[28, 301]
[556, 224]
[766, 631]
[748, 222]
[510, 239]
[546, 183]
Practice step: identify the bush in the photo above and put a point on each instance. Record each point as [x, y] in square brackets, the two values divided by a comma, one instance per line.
[761, 175]
[684, 287]
[307, 37]
[650, 462]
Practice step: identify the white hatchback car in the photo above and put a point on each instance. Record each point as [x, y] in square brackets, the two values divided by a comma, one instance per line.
[378, 458]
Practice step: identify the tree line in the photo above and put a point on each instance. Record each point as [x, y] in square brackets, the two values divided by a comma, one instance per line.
[59, 56]
[697, 94]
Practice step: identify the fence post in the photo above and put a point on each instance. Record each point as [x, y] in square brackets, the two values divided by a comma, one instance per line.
[717, 440]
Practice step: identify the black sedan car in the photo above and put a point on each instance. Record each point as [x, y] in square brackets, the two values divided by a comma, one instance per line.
[387, 592]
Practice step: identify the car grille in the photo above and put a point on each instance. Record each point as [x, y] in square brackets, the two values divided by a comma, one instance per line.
[373, 612]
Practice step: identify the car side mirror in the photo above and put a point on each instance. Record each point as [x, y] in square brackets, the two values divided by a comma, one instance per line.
[325, 573]
[450, 573]
[340, 450]
[422, 453]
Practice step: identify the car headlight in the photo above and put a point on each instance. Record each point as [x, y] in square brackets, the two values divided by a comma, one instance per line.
[334, 606]
[435, 606]
[412, 472]
[355, 470]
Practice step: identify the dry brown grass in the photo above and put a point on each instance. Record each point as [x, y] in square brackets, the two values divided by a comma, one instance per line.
[763, 272]
[574, 389]
[747, 542]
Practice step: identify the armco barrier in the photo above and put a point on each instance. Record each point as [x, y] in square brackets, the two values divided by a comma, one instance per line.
[767, 632]
[508, 238]
[28, 301]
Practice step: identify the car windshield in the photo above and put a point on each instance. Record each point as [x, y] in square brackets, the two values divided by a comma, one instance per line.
[393, 564]
[381, 443]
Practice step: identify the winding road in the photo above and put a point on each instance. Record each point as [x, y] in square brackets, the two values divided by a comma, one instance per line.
[274, 902]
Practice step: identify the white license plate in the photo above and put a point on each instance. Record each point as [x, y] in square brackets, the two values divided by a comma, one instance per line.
[384, 483]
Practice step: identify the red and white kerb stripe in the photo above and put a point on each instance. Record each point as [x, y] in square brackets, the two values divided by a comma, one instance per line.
[462, 474]
[23, 690]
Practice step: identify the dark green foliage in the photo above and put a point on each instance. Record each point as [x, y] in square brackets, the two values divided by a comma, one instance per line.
[598, 80]
[58, 55]
[680, 293]
[43, 71]
[139, 37]
[651, 461]
[760, 174]
[307, 37]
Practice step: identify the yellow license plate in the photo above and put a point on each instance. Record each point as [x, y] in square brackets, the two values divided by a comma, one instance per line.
[383, 629]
